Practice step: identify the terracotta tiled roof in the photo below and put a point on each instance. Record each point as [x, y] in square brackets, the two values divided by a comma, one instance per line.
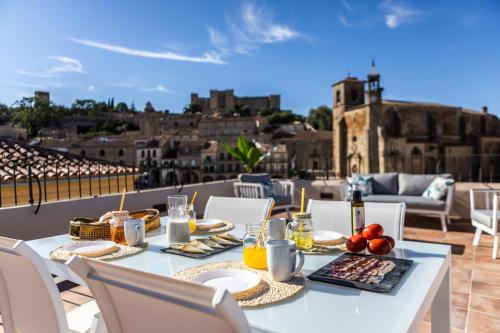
[15, 158]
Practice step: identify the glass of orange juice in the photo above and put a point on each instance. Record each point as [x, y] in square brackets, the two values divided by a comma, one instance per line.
[254, 246]
[190, 212]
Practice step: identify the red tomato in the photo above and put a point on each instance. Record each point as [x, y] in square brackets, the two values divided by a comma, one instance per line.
[373, 231]
[356, 243]
[391, 241]
[379, 246]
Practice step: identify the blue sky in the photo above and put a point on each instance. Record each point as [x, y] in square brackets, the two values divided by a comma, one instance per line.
[135, 51]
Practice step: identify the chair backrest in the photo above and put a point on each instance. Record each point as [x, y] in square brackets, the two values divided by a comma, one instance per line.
[260, 178]
[135, 301]
[29, 299]
[237, 210]
[336, 216]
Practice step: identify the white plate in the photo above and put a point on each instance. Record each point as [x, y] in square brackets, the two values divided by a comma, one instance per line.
[209, 221]
[326, 236]
[90, 247]
[233, 280]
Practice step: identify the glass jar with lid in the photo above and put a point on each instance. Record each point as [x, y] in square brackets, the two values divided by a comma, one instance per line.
[254, 246]
[191, 214]
[300, 230]
[116, 224]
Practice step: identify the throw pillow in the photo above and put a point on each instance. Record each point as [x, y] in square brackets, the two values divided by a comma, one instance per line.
[268, 188]
[438, 188]
[361, 183]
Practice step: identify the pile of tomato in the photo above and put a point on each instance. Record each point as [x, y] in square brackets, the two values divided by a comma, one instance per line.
[372, 238]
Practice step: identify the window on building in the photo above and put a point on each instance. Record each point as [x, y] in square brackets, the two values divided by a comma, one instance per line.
[154, 153]
[142, 154]
[193, 163]
[237, 168]
[205, 169]
[120, 152]
[83, 153]
[315, 165]
[221, 168]
[149, 153]
[354, 95]
[102, 153]
[337, 97]
[221, 156]
[229, 168]
[208, 159]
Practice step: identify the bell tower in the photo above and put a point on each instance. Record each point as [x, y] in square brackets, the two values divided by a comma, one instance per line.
[374, 94]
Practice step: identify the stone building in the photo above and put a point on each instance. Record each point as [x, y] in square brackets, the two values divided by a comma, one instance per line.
[372, 134]
[228, 129]
[309, 152]
[226, 101]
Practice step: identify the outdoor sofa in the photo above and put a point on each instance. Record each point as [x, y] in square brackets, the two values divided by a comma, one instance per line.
[407, 188]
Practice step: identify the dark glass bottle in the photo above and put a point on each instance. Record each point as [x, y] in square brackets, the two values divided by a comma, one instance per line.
[357, 213]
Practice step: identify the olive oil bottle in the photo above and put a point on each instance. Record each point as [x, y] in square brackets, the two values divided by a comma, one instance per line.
[357, 213]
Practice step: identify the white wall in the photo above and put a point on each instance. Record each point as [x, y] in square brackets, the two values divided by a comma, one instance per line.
[53, 218]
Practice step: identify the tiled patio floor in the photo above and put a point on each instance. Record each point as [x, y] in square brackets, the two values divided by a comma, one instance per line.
[475, 277]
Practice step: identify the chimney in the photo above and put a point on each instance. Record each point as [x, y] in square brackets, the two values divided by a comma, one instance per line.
[485, 109]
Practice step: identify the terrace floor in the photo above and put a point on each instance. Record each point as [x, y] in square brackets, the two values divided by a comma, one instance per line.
[475, 277]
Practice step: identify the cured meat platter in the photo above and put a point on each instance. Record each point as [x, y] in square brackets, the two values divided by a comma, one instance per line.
[367, 272]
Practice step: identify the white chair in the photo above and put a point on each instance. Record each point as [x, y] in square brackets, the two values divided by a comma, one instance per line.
[486, 219]
[237, 210]
[134, 301]
[336, 216]
[252, 186]
[29, 298]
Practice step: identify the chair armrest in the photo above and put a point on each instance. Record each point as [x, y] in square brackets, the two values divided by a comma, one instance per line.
[449, 198]
[248, 190]
[486, 193]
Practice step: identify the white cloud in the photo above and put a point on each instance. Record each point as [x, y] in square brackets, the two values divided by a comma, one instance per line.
[208, 57]
[159, 88]
[259, 25]
[28, 85]
[34, 74]
[121, 84]
[67, 64]
[347, 5]
[343, 21]
[397, 14]
[91, 88]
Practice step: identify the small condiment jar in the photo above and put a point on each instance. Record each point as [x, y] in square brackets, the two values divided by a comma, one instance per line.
[300, 230]
[116, 223]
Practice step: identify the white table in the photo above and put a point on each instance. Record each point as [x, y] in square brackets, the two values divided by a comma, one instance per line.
[321, 307]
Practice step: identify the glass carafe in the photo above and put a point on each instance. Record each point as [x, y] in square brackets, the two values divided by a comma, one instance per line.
[118, 218]
[254, 246]
[300, 230]
[178, 220]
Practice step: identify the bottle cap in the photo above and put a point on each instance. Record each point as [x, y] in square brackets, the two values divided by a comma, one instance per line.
[356, 195]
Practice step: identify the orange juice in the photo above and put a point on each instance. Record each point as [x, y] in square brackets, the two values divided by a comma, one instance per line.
[192, 226]
[255, 257]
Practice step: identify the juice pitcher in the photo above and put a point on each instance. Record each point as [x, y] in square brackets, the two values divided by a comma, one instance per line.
[300, 230]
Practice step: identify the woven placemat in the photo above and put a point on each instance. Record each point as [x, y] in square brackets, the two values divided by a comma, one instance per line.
[61, 254]
[268, 292]
[228, 226]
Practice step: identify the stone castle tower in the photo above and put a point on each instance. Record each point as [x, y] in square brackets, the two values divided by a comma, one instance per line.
[355, 123]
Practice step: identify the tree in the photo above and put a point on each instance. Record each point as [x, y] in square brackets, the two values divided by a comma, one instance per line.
[33, 116]
[284, 117]
[192, 108]
[245, 152]
[121, 107]
[320, 118]
[83, 106]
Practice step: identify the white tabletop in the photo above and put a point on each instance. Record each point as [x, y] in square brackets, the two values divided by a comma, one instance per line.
[321, 307]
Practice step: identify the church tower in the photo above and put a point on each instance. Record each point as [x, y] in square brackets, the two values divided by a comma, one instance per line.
[348, 93]
[374, 93]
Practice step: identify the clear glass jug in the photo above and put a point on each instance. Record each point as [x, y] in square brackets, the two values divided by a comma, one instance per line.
[178, 220]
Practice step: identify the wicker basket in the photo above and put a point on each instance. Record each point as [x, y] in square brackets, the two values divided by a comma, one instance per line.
[83, 228]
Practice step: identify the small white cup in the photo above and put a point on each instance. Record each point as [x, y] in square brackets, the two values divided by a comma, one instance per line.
[135, 231]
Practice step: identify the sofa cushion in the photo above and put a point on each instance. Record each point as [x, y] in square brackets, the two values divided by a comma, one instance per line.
[281, 200]
[438, 188]
[412, 202]
[383, 183]
[413, 184]
[361, 183]
[259, 178]
[483, 216]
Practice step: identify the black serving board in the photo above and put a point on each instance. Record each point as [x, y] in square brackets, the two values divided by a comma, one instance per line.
[200, 255]
[389, 281]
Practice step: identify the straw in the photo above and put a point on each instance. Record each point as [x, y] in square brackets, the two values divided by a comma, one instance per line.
[263, 227]
[123, 199]
[194, 197]
[302, 200]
